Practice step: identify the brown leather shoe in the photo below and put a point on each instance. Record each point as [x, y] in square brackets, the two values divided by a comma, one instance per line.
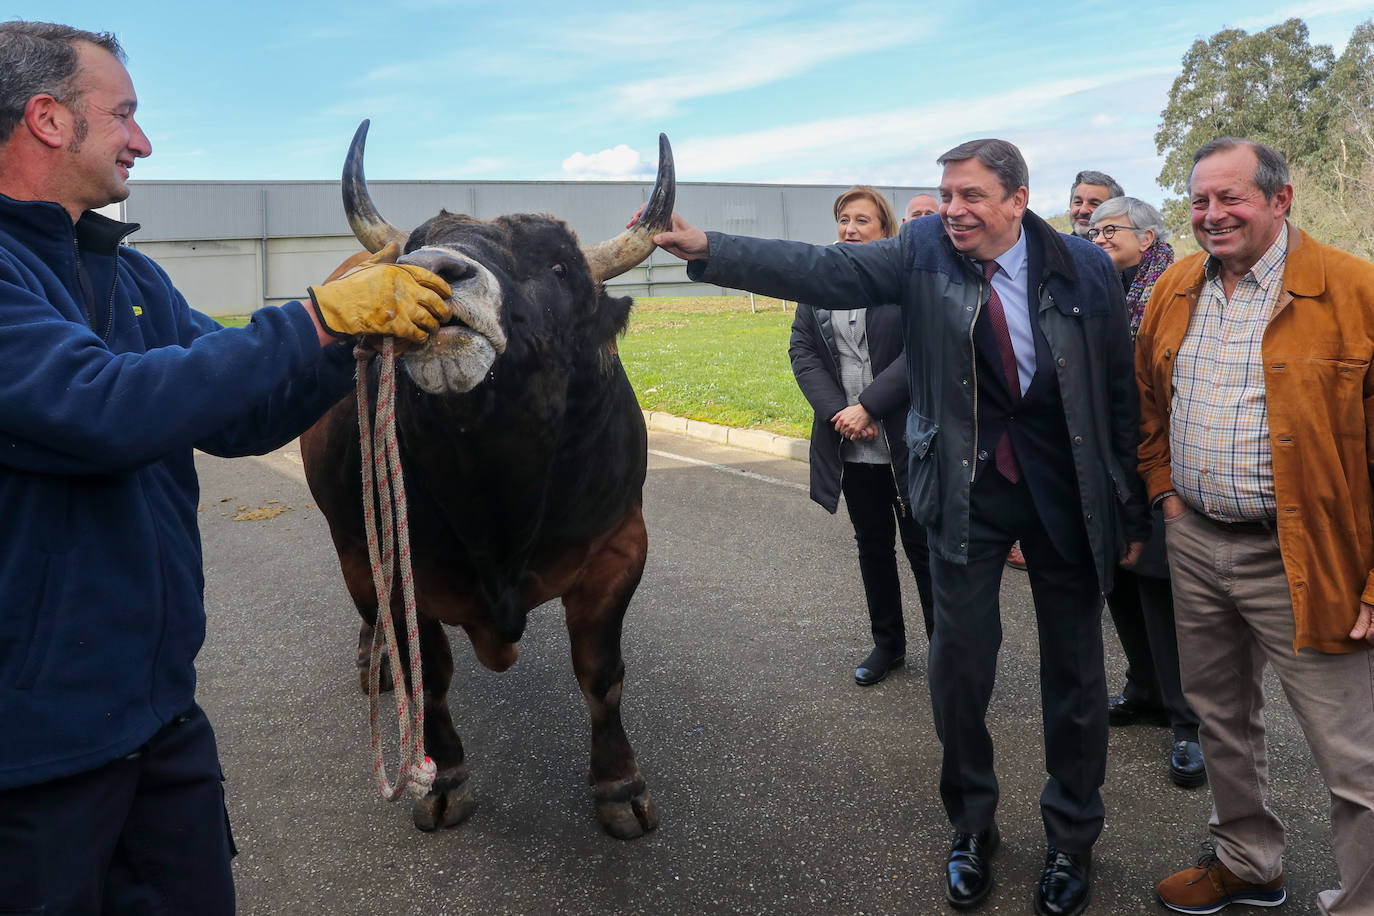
[1210, 886]
[1015, 558]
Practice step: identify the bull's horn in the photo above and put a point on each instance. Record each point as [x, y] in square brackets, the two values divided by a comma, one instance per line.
[613, 257]
[367, 224]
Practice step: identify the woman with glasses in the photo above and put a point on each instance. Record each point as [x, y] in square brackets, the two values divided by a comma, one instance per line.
[851, 366]
[1132, 233]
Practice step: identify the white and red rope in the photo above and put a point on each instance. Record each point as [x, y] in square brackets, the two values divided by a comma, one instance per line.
[384, 486]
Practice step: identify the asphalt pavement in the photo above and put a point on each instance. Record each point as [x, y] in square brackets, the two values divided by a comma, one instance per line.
[783, 787]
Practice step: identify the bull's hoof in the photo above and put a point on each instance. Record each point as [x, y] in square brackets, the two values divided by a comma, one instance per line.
[627, 814]
[445, 807]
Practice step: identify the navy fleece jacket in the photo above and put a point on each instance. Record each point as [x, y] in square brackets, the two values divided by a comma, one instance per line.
[109, 381]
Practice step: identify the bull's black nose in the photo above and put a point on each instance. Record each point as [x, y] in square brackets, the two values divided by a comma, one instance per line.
[450, 267]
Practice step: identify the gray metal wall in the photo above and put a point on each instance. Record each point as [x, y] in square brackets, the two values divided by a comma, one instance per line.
[233, 246]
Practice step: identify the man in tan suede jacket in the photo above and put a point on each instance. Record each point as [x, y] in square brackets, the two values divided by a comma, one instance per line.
[1257, 425]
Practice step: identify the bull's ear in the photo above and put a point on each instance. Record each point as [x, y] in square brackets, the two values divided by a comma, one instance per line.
[349, 265]
[612, 316]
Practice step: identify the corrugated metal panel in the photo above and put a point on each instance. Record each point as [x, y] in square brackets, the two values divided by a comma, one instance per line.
[295, 232]
[189, 210]
[404, 204]
[301, 208]
[594, 211]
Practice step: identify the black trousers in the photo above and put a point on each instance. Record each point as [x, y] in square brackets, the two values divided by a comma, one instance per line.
[963, 663]
[147, 833]
[870, 495]
[1142, 609]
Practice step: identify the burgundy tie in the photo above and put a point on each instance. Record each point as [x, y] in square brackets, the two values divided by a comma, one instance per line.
[1003, 456]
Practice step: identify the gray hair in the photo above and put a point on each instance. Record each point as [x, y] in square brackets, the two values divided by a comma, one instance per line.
[999, 155]
[1140, 214]
[1089, 176]
[38, 58]
[1271, 172]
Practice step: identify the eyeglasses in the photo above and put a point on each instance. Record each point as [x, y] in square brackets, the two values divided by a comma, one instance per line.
[1106, 231]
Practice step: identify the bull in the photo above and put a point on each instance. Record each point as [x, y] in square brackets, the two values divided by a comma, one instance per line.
[525, 452]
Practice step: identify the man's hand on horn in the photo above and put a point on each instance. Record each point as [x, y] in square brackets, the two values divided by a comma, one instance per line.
[682, 239]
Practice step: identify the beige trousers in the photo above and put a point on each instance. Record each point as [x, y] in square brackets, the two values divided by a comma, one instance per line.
[1234, 616]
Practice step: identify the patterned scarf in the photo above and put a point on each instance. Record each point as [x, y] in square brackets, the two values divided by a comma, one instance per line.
[1153, 262]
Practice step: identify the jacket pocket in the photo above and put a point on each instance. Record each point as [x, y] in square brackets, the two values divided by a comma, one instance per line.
[1339, 393]
[923, 469]
[30, 619]
[1119, 482]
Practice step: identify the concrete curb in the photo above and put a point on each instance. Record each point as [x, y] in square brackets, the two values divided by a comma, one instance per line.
[753, 439]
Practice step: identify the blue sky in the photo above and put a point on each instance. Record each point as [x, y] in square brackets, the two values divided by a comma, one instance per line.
[764, 91]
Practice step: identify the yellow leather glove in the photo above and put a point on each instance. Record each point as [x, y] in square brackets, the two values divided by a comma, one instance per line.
[388, 299]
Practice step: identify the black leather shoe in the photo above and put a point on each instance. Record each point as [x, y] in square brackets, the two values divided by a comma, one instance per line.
[876, 667]
[1186, 766]
[1121, 711]
[968, 873]
[1064, 884]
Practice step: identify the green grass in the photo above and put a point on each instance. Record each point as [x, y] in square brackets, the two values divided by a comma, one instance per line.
[709, 358]
[713, 359]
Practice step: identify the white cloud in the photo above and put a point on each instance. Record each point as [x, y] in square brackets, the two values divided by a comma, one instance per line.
[1313, 9]
[758, 57]
[1054, 123]
[917, 127]
[618, 163]
[645, 31]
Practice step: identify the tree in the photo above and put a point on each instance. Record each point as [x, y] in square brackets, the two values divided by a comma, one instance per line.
[1343, 218]
[1334, 198]
[1349, 96]
[1267, 86]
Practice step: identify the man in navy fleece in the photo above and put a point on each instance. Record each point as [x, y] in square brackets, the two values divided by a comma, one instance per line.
[110, 796]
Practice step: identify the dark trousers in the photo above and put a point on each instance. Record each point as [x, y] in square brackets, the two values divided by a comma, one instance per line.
[870, 495]
[147, 833]
[963, 662]
[1142, 609]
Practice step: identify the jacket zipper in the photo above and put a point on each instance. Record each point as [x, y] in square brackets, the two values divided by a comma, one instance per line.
[114, 286]
[110, 306]
[830, 355]
[87, 308]
[903, 508]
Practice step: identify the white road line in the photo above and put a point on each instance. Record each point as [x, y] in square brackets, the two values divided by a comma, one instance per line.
[288, 461]
[764, 478]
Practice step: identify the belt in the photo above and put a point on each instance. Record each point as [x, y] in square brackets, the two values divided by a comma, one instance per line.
[1264, 526]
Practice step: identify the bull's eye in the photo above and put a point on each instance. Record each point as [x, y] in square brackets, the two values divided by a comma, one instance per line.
[560, 271]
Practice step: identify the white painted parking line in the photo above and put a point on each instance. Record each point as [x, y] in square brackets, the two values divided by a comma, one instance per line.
[764, 478]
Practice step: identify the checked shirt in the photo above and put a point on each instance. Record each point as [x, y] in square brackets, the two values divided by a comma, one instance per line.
[1219, 422]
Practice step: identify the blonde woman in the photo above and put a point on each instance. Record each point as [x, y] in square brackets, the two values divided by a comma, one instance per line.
[850, 365]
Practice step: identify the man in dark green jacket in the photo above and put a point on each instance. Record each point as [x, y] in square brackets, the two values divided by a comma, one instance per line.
[1022, 426]
[110, 797]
